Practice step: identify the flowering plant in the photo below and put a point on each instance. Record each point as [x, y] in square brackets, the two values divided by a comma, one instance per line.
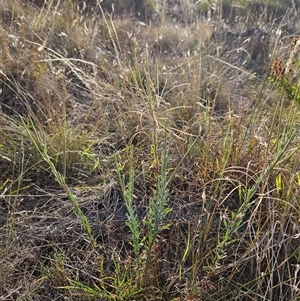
[285, 74]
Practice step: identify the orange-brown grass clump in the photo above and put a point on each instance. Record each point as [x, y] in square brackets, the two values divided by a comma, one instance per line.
[149, 151]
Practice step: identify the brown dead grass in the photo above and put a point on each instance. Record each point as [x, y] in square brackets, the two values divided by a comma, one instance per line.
[87, 85]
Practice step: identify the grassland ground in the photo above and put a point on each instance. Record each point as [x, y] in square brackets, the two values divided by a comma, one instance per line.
[149, 151]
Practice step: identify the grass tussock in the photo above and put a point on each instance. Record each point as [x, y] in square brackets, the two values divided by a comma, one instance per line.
[148, 154]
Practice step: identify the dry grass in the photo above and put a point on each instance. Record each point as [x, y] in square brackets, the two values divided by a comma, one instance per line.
[146, 160]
